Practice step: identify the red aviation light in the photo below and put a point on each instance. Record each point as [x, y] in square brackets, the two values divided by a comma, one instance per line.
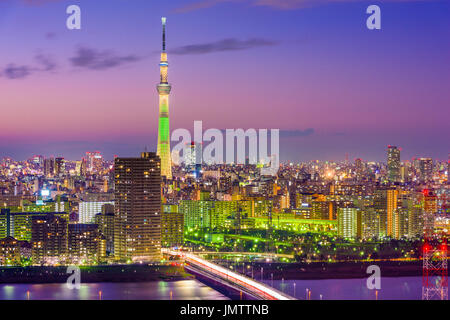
[443, 246]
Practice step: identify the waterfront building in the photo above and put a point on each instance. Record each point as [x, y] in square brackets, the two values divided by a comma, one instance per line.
[10, 253]
[137, 221]
[86, 244]
[49, 239]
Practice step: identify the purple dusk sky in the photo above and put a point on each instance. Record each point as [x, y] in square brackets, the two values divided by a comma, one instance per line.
[309, 68]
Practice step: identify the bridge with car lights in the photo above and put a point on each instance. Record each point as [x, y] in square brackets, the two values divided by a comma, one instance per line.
[223, 277]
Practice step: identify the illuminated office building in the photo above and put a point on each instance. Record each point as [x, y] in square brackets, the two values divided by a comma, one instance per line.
[393, 163]
[163, 149]
[137, 221]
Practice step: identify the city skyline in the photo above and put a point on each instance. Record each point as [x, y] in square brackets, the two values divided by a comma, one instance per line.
[93, 89]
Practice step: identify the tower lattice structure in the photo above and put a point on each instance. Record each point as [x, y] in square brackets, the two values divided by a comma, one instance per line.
[164, 88]
[434, 252]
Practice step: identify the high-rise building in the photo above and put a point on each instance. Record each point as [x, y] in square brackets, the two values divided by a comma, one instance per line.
[59, 166]
[88, 209]
[347, 222]
[49, 167]
[193, 158]
[385, 204]
[370, 224]
[19, 224]
[404, 173]
[94, 162]
[163, 149]
[425, 170]
[359, 168]
[393, 163]
[402, 215]
[172, 228]
[137, 221]
[10, 251]
[49, 239]
[86, 244]
[105, 222]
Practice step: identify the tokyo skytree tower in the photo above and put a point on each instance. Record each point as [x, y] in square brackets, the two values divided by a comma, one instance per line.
[163, 149]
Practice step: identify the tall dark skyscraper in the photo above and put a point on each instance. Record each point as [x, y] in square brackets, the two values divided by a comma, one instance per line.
[49, 167]
[425, 170]
[393, 163]
[59, 166]
[137, 231]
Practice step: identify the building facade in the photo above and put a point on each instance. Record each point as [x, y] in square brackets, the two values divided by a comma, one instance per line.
[137, 221]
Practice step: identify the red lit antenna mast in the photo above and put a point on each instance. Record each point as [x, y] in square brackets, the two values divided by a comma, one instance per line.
[434, 252]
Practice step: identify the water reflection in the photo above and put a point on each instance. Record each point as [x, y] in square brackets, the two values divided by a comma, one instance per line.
[401, 288]
[157, 290]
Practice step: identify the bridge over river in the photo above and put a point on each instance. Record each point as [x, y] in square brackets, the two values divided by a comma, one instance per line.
[227, 278]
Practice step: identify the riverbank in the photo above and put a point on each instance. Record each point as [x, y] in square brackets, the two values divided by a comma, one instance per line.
[91, 274]
[141, 273]
[323, 270]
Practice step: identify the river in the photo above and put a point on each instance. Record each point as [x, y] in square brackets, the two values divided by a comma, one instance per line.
[401, 288]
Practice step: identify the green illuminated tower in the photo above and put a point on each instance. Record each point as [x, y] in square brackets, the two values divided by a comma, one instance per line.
[163, 150]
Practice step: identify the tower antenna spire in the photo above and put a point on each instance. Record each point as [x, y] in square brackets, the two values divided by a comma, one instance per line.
[163, 20]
